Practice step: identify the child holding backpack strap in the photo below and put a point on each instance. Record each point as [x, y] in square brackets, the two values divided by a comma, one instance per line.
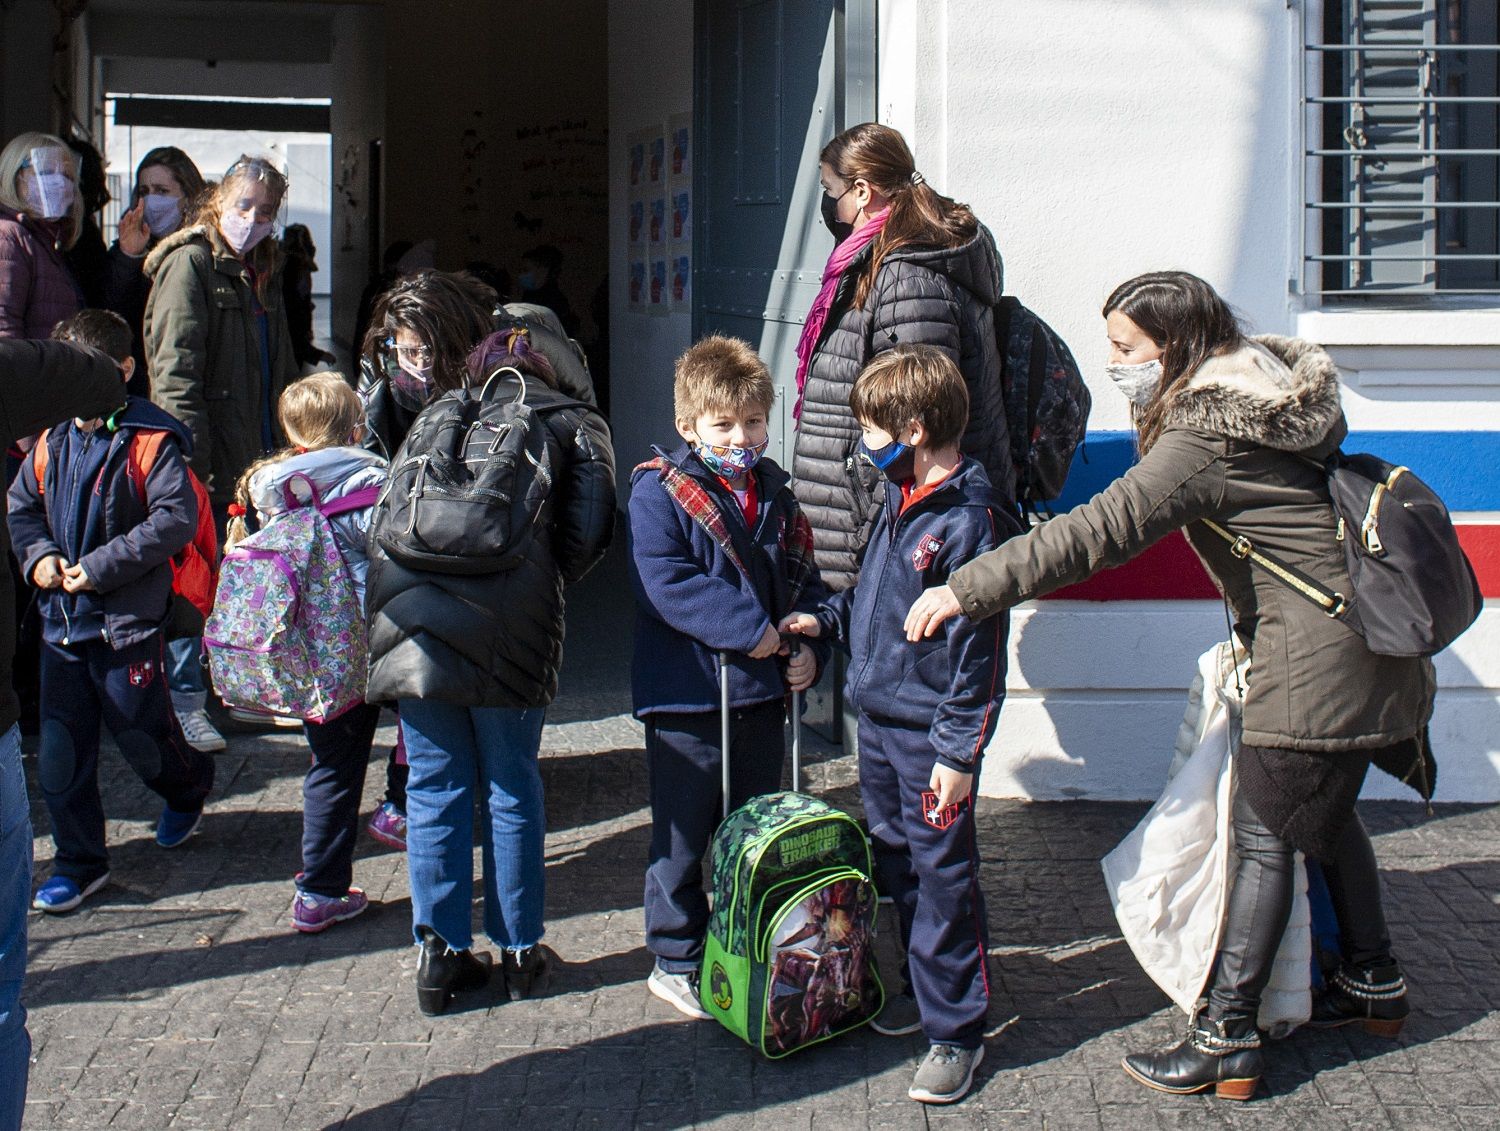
[95, 531]
[323, 418]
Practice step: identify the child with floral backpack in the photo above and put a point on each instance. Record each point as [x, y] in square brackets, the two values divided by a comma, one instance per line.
[323, 419]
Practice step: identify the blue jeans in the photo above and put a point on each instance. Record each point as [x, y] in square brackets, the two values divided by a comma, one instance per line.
[185, 675]
[460, 755]
[15, 894]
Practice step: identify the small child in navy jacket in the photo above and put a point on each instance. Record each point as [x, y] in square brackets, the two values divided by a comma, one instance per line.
[720, 552]
[95, 532]
[926, 710]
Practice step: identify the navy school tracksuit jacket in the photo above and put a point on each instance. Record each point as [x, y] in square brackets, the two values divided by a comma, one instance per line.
[93, 514]
[953, 683]
[692, 601]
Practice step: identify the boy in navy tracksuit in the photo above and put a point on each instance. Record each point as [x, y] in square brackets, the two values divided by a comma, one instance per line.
[926, 710]
[720, 552]
[95, 534]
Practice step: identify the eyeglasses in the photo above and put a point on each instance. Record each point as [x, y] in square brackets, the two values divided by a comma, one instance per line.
[421, 356]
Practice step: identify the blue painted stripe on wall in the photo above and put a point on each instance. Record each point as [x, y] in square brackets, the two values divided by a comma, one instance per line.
[1462, 467]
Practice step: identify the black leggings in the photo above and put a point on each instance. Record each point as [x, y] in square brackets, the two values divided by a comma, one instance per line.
[1261, 903]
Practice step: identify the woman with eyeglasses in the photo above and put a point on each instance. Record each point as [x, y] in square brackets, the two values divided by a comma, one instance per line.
[909, 266]
[420, 333]
[220, 354]
[167, 184]
[41, 216]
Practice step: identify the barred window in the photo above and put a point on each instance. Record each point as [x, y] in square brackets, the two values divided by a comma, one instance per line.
[1402, 170]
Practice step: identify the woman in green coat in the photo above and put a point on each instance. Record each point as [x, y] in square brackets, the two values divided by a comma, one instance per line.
[220, 353]
[1234, 429]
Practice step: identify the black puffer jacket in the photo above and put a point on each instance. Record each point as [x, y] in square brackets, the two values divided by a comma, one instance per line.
[942, 297]
[495, 640]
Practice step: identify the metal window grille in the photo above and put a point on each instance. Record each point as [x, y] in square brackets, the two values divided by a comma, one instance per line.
[1402, 161]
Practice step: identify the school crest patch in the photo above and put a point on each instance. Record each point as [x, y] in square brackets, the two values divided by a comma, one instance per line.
[140, 674]
[927, 547]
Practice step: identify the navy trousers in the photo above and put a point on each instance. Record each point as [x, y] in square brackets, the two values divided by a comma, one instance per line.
[682, 757]
[331, 793]
[930, 867]
[83, 684]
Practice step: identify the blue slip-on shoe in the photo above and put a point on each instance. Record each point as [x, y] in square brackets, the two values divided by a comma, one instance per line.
[60, 894]
[175, 827]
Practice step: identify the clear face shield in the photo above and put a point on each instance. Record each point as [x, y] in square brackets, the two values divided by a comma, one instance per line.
[50, 190]
[408, 371]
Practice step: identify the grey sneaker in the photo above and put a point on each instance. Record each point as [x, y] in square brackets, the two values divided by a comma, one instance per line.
[945, 1075]
[898, 1016]
[680, 991]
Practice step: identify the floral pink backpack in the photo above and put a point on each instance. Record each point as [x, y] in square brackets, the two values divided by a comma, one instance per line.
[287, 634]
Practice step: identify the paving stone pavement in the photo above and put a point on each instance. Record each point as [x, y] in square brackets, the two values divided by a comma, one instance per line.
[181, 998]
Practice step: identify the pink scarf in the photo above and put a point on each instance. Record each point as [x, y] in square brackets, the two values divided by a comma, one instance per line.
[817, 317]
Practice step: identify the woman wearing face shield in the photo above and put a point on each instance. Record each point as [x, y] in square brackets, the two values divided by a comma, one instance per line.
[420, 334]
[909, 266]
[41, 215]
[220, 354]
[166, 185]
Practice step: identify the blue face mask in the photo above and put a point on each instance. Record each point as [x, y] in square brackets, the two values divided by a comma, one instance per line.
[896, 461]
[163, 214]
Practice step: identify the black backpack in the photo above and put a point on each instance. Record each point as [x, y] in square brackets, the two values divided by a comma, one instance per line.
[1046, 402]
[468, 484]
[1414, 589]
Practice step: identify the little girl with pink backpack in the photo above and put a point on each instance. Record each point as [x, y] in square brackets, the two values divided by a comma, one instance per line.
[287, 634]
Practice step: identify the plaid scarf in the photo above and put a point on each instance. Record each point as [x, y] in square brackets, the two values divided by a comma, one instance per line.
[701, 507]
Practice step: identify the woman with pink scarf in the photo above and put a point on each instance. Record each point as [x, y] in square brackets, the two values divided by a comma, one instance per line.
[910, 265]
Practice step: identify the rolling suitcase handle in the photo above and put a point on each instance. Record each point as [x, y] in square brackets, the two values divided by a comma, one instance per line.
[724, 731]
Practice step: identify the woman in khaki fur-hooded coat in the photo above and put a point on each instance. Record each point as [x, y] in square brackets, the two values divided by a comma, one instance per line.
[1234, 429]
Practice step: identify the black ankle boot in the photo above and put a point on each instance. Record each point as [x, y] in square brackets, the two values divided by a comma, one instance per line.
[1220, 1054]
[525, 970]
[1374, 995]
[441, 972]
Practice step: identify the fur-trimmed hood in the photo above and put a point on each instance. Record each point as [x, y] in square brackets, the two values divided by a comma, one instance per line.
[209, 236]
[1281, 393]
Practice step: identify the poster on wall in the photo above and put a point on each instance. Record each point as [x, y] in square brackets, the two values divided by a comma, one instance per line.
[656, 158]
[637, 222]
[658, 295]
[680, 150]
[682, 220]
[680, 276]
[636, 150]
[656, 220]
[636, 299]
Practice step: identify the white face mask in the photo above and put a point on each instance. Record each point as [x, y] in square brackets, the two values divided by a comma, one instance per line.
[1138, 383]
[163, 214]
[241, 232]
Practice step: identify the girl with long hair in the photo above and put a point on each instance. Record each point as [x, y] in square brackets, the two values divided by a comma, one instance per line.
[910, 266]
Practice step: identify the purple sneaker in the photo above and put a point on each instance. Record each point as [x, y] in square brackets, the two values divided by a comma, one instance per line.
[388, 826]
[312, 913]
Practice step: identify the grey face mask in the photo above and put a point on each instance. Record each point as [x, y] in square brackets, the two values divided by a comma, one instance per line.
[1138, 383]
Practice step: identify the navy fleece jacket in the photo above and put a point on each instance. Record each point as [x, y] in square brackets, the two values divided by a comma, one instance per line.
[123, 541]
[692, 601]
[954, 682]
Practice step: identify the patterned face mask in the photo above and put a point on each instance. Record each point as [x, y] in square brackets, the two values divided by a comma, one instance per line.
[1138, 383]
[728, 461]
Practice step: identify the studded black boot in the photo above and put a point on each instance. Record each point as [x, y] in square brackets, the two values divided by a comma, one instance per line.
[442, 972]
[1220, 1054]
[1374, 995]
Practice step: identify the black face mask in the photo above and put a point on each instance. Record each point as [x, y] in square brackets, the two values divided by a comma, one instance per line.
[841, 231]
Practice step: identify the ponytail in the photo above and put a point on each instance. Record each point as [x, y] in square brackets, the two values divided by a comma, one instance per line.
[243, 506]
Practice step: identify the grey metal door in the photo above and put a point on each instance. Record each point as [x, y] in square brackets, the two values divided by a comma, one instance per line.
[775, 80]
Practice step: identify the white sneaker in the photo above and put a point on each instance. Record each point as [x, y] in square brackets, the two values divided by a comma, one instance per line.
[262, 718]
[201, 734]
[680, 991]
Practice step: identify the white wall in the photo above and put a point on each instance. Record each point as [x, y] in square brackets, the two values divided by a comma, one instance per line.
[650, 78]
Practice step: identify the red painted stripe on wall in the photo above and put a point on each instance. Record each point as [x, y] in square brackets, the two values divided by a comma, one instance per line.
[1170, 571]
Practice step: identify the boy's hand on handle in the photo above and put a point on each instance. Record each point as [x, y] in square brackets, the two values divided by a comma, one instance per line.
[134, 235]
[75, 580]
[48, 573]
[801, 669]
[770, 644]
[800, 624]
[951, 786]
[929, 611]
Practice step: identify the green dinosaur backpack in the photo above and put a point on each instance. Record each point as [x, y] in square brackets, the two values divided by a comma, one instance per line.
[790, 955]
